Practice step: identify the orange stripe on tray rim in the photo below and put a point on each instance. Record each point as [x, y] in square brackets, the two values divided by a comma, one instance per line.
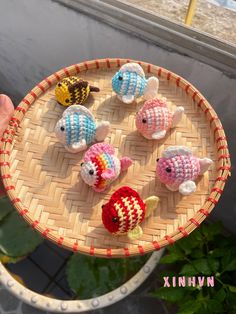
[91, 250]
[109, 254]
[34, 224]
[141, 249]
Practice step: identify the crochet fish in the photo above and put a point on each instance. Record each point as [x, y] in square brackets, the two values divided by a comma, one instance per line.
[101, 166]
[73, 90]
[178, 169]
[130, 83]
[125, 211]
[154, 119]
[77, 129]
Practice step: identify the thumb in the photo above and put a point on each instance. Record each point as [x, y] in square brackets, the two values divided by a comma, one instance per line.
[6, 112]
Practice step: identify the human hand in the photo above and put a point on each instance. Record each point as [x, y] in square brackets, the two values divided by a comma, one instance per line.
[6, 112]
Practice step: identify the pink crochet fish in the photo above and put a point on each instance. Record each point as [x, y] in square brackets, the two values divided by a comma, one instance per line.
[101, 166]
[154, 119]
[178, 169]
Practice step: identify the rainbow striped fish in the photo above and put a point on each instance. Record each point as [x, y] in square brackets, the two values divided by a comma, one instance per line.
[101, 167]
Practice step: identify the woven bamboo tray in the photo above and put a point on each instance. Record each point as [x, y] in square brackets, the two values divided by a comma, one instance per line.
[43, 182]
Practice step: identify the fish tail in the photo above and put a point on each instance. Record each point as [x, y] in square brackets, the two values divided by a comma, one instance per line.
[151, 204]
[94, 89]
[125, 163]
[151, 88]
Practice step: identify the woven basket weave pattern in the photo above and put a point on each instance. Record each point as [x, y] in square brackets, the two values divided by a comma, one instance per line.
[45, 185]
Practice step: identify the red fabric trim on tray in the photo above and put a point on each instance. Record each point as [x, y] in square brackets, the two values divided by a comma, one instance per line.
[23, 212]
[75, 246]
[156, 245]
[183, 231]
[170, 239]
[66, 71]
[91, 250]
[26, 101]
[21, 109]
[212, 200]
[48, 81]
[60, 240]
[4, 152]
[45, 233]
[194, 221]
[127, 253]
[178, 80]
[34, 224]
[203, 211]
[217, 190]
[141, 249]
[33, 94]
[109, 254]
[41, 87]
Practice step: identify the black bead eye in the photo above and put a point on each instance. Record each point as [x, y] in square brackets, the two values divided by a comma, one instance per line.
[120, 78]
[91, 172]
[144, 120]
[59, 84]
[81, 164]
[62, 128]
[157, 159]
[114, 219]
[67, 100]
[168, 169]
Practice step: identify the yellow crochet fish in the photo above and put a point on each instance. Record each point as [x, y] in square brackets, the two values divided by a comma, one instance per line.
[73, 90]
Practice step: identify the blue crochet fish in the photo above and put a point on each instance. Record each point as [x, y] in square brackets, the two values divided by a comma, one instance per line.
[77, 129]
[130, 83]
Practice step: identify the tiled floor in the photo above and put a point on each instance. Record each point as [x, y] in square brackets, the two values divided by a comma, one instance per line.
[44, 272]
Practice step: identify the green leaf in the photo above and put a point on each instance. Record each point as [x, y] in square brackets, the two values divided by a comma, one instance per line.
[228, 261]
[214, 306]
[7, 259]
[211, 230]
[5, 207]
[16, 236]
[189, 307]
[202, 266]
[218, 252]
[90, 276]
[213, 263]
[188, 270]
[170, 258]
[171, 294]
[232, 288]
[220, 295]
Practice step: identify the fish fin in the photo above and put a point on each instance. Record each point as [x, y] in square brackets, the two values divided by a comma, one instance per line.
[97, 149]
[108, 174]
[187, 187]
[177, 116]
[125, 163]
[99, 190]
[77, 147]
[158, 135]
[151, 88]
[135, 233]
[78, 109]
[132, 67]
[205, 163]
[102, 130]
[151, 204]
[172, 151]
[127, 99]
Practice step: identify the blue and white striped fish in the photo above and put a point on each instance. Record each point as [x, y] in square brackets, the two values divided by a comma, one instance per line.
[77, 128]
[130, 83]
